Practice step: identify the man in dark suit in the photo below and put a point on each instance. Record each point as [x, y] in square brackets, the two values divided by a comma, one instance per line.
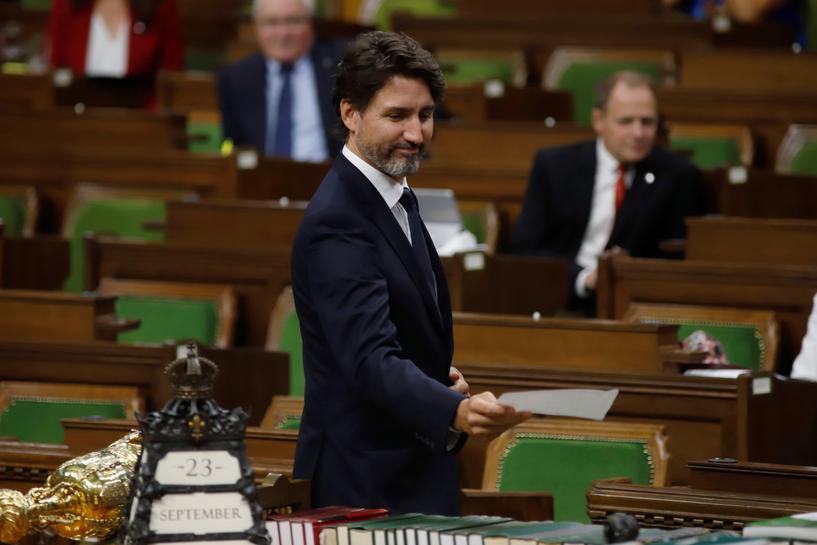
[619, 193]
[280, 100]
[384, 411]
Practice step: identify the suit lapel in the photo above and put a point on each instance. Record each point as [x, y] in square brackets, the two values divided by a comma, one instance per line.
[388, 226]
[324, 68]
[257, 97]
[585, 182]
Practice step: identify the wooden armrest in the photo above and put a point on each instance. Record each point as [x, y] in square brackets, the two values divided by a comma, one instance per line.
[517, 505]
[109, 325]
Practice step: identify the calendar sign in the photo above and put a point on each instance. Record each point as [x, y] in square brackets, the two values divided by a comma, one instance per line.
[201, 513]
[198, 467]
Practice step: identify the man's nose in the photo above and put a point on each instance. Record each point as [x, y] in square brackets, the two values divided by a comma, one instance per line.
[413, 131]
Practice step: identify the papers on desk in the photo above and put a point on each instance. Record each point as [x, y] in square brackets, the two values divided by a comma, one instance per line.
[716, 373]
[579, 403]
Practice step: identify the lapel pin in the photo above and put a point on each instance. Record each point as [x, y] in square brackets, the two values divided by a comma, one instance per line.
[649, 177]
[139, 27]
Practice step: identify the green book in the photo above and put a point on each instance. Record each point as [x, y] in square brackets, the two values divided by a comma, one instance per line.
[429, 530]
[372, 532]
[802, 526]
[501, 533]
[590, 534]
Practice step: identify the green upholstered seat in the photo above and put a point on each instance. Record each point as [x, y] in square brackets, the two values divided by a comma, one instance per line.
[204, 137]
[13, 214]
[204, 60]
[805, 159]
[580, 78]
[567, 466]
[811, 25]
[39, 5]
[743, 344]
[291, 344]
[382, 18]
[466, 71]
[289, 422]
[472, 222]
[38, 419]
[709, 152]
[164, 319]
[122, 217]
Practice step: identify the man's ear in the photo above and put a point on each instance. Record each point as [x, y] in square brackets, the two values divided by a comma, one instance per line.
[349, 115]
[597, 118]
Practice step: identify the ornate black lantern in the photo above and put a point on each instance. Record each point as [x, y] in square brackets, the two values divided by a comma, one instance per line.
[193, 482]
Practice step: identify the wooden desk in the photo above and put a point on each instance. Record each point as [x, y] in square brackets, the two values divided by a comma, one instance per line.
[32, 315]
[554, 343]
[760, 241]
[761, 194]
[724, 497]
[748, 418]
[761, 70]
[33, 263]
[239, 383]
[785, 289]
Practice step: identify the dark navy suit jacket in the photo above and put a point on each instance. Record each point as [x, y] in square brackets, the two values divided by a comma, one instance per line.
[666, 188]
[377, 352]
[243, 100]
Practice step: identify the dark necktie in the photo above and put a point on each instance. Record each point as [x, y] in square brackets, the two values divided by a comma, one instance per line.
[282, 141]
[418, 242]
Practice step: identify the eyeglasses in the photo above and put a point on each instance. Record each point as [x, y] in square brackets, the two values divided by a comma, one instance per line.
[287, 22]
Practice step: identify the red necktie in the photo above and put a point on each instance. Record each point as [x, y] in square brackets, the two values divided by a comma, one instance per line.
[621, 187]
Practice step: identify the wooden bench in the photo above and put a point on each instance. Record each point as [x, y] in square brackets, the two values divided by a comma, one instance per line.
[42, 315]
[757, 69]
[752, 240]
[143, 367]
[786, 290]
[761, 193]
[720, 496]
[748, 418]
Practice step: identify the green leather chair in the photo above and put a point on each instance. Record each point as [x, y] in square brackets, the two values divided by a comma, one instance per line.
[436, 8]
[565, 457]
[284, 335]
[174, 311]
[12, 214]
[708, 152]
[32, 411]
[204, 137]
[804, 160]
[125, 216]
[579, 69]
[284, 413]
[750, 338]
[797, 153]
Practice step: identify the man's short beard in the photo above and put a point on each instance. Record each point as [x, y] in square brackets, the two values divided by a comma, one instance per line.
[394, 165]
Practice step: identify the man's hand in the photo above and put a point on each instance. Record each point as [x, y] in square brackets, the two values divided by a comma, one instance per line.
[592, 279]
[458, 383]
[481, 416]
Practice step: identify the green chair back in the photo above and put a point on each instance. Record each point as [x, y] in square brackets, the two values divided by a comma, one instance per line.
[580, 79]
[122, 217]
[567, 466]
[472, 222]
[13, 214]
[811, 25]
[166, 319]
[204, 60]
[709, 152]
[204, 137]
[291, 344]
[743, 344]
[290, 422]
[38, 5]
[805, 160]
[382, 18]
[466, 71]
[38, 419]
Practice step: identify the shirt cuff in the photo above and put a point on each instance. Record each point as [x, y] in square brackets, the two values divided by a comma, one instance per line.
[581, 289]
[452, 439]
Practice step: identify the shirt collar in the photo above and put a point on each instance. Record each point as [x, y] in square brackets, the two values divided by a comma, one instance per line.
[605, 160]
[390, 189]
[274, 67]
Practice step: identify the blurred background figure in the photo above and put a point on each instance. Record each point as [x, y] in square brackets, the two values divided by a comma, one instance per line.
[115, 38]
[279, 100]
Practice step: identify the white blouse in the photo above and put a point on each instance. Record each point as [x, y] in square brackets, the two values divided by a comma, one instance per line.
[107, 55]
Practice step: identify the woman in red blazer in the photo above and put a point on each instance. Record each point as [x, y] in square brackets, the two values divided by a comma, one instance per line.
[154, 40]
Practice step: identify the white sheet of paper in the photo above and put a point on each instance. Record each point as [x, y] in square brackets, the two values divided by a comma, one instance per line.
[716, 373]
[579, 403]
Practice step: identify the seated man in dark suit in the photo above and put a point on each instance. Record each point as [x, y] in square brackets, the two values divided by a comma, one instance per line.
[618, 193]
[280, 100]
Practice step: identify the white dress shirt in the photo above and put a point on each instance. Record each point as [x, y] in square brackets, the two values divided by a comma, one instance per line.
[308, 135]
[107, 55]
[805, 364]
[602, 214]
[388, 188]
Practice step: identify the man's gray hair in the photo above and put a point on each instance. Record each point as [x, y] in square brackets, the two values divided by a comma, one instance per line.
[631, 78]
[255, 7]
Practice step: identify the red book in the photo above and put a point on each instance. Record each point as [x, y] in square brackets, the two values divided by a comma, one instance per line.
[305, 526]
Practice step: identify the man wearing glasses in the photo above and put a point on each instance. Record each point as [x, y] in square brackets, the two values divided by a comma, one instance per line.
[279, 100]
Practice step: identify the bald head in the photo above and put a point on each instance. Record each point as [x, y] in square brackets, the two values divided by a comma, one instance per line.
[283, 29]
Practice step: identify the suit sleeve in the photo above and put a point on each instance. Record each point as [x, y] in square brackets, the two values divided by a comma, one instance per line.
[531, 227]
[225, 104]
[170, 27]
[351, 298]
[687, 201]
